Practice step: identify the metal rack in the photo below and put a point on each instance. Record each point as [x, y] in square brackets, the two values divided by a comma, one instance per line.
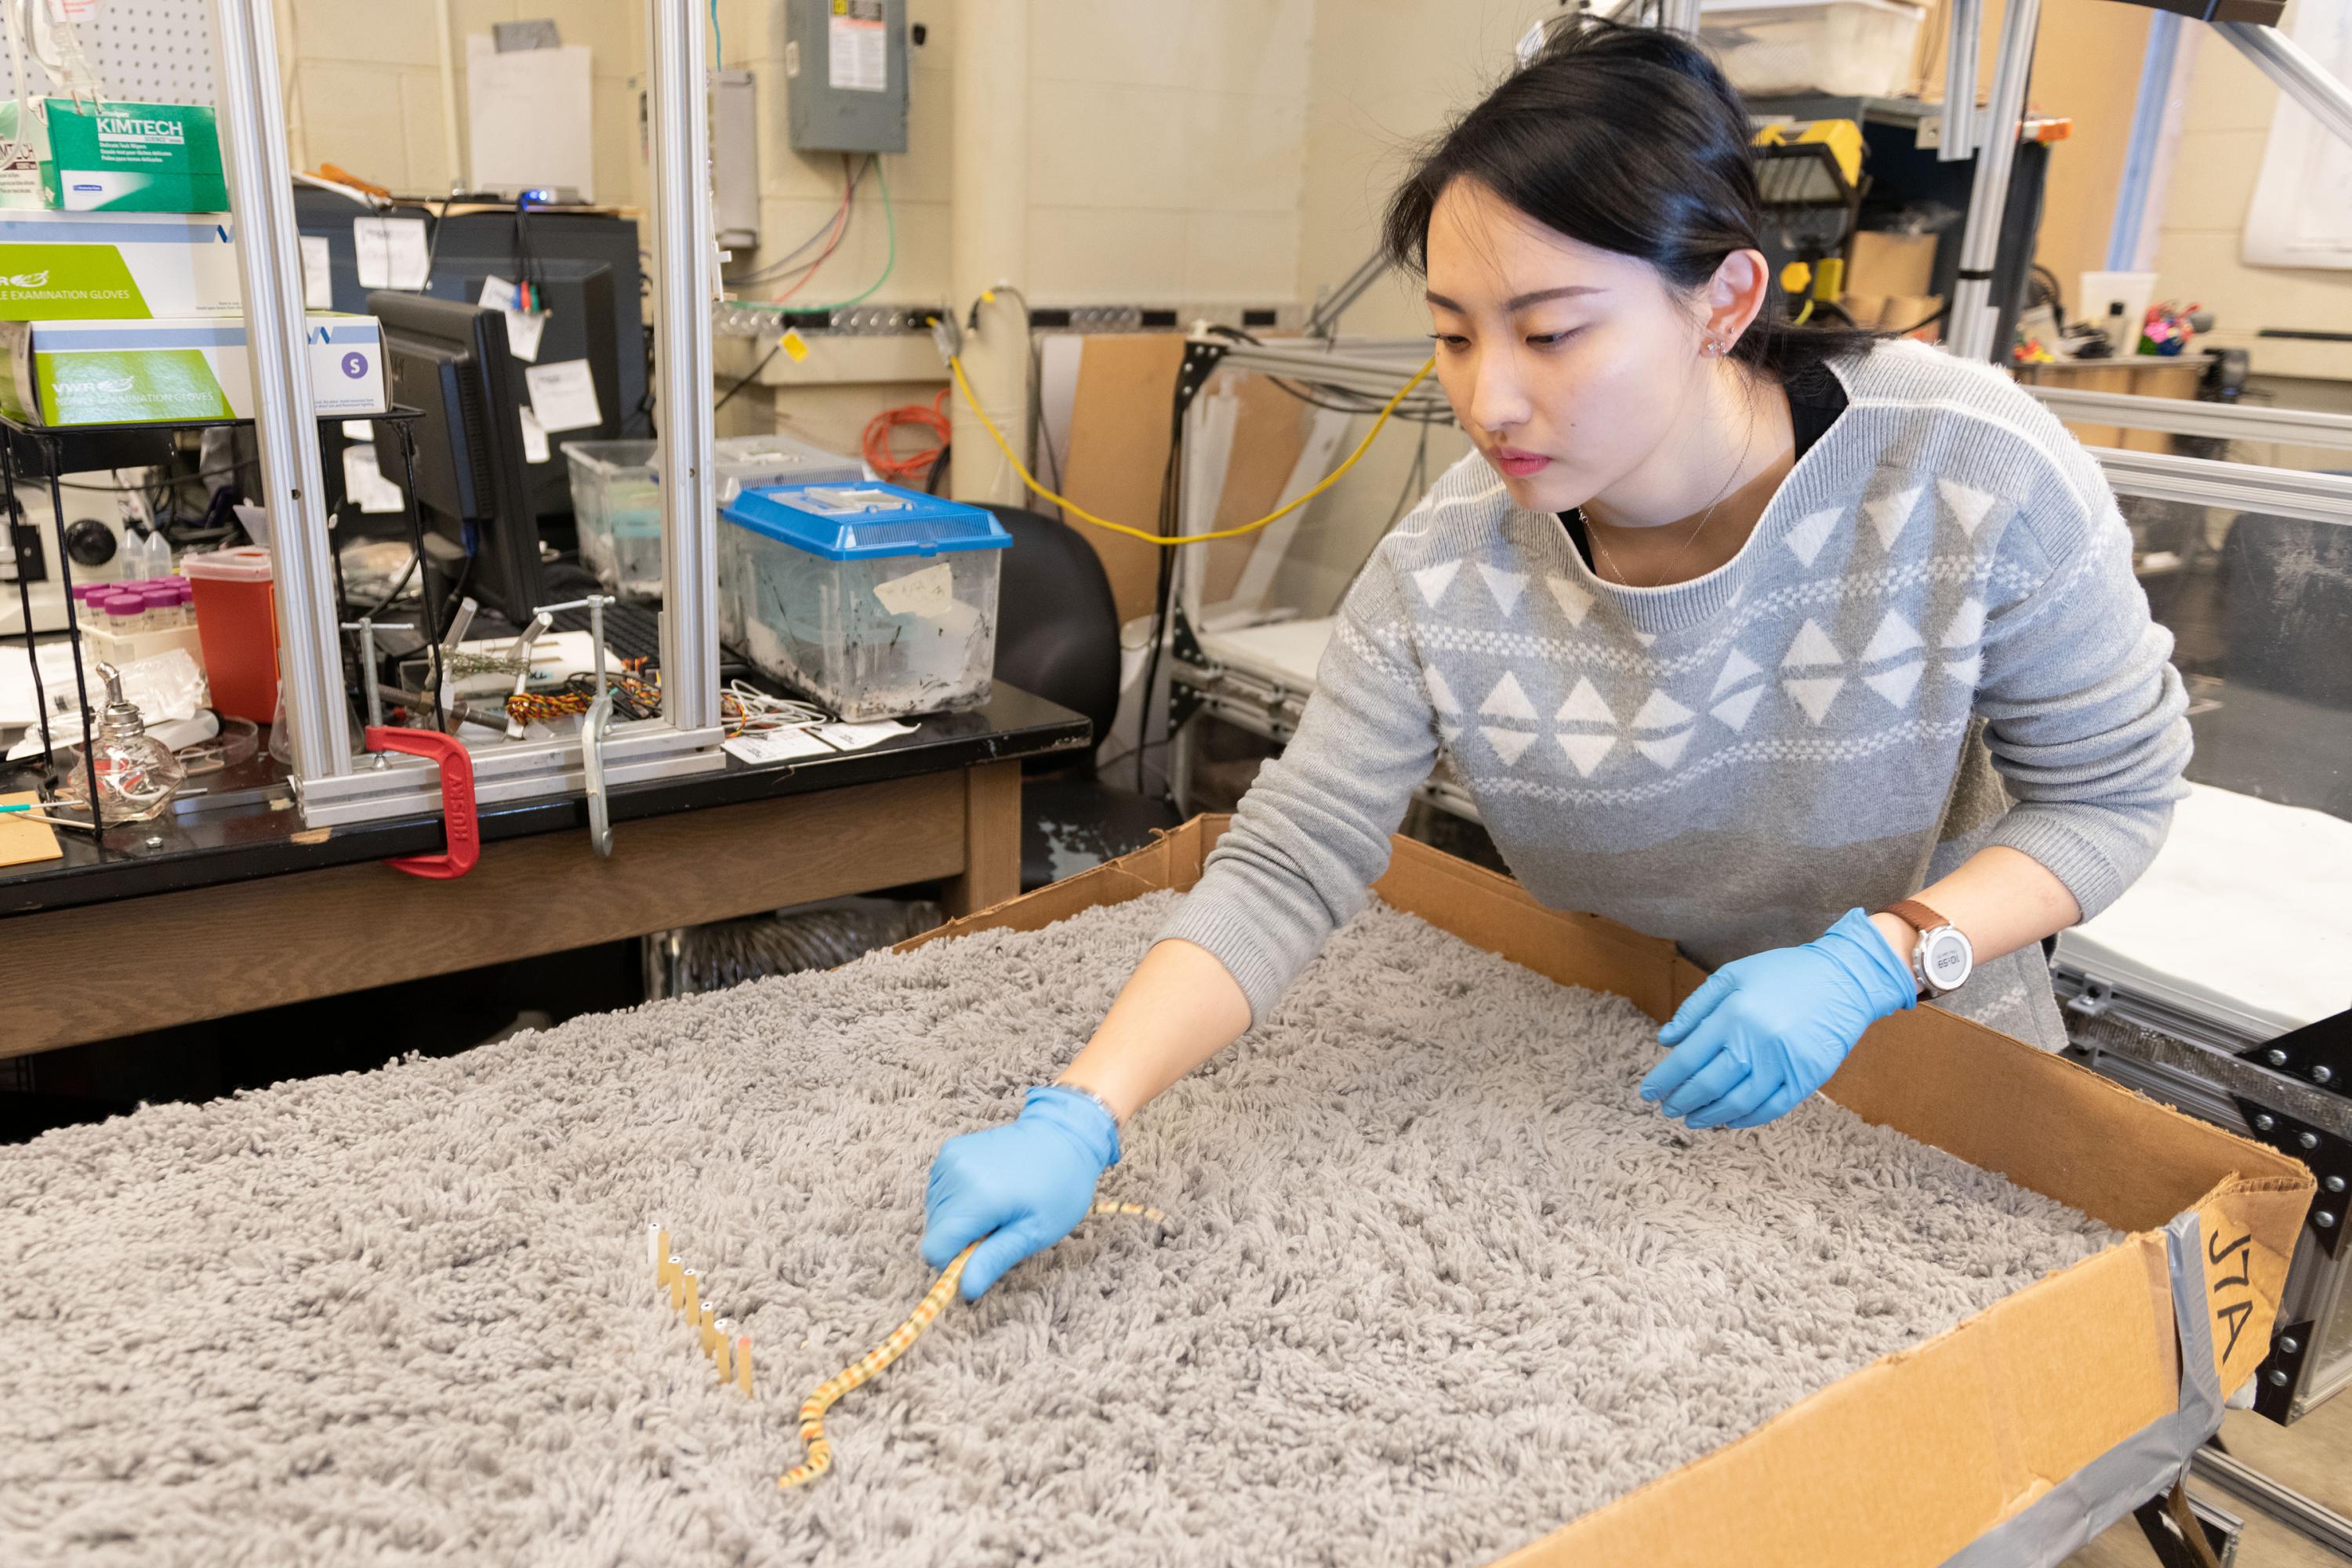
[77, 448]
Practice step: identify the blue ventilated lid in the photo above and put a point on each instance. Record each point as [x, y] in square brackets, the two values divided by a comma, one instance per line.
[844, 521]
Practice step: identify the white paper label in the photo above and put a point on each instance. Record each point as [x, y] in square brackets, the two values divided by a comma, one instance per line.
[359, 430]
[857, 51]
[929, 592]
[366, 484]
[777, 746]
[318, 279]
[524, 328]
[534, 438]
[563, 395]
[392, 253]
[857, 737]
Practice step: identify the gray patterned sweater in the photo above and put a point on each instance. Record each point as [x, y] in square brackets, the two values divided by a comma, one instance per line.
[1932, 642]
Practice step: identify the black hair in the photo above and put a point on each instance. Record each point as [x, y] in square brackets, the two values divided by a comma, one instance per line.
[1630, 140]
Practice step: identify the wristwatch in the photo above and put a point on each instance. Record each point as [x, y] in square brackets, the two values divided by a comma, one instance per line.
[1943, 960]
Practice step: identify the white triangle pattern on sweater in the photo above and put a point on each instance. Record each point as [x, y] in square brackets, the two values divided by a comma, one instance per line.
[1508, 701]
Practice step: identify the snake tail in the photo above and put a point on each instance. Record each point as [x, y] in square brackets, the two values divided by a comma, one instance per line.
[902, 1338]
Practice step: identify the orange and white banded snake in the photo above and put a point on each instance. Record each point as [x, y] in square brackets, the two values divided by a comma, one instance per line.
[812, 1408]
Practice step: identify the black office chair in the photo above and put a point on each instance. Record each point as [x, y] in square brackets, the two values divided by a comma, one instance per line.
[1057, 635]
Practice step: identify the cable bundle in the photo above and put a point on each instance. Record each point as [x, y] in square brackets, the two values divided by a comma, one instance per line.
[914, 466]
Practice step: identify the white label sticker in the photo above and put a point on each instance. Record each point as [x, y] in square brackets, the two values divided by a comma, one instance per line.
[359, 430]
[776, 746]
[366, 484]
[857, 51]
[318, 279]
[391, 252]
[928, 593]
[534, 438]
[524, 328]
[563, 395]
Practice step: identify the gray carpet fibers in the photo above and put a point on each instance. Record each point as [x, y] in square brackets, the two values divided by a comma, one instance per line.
[1437, 1282]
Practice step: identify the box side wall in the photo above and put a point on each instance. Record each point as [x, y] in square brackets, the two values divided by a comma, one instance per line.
[2043, 1122]
[1907, 1461]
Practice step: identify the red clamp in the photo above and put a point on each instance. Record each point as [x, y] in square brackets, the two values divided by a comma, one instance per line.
[456, 799]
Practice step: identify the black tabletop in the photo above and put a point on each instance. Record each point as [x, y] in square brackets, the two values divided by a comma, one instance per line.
[231, 844]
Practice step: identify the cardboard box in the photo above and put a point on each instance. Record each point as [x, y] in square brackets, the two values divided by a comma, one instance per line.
[2025, 1429]
[1882, 263]
[133, 373]
[117, 157]
[64, 266]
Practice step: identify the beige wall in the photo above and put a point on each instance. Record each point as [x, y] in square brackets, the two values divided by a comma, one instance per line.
[364, 84]
[2200, 252]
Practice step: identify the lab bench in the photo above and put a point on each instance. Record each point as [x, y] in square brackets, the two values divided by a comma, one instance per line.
[234, 906]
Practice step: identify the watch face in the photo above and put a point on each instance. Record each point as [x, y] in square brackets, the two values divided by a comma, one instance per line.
[1946, 960]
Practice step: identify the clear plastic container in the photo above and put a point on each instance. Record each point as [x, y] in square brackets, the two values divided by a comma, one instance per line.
[876, 601]
[618, 506]
[1844, 47]
[616, 498]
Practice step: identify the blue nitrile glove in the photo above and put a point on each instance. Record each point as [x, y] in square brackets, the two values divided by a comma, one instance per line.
[1767, 1030]
[1023, 1186]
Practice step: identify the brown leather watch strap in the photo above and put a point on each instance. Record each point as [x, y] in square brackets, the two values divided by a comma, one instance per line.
[1916, 915]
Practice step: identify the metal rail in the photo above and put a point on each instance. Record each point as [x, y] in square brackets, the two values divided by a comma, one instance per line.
[2246, 487]
[2185, 416]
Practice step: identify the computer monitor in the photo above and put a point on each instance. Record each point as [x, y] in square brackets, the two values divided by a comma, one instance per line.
[450, 360]
[584, 267]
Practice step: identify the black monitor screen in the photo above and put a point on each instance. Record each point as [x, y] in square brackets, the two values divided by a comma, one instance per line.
[450, 360]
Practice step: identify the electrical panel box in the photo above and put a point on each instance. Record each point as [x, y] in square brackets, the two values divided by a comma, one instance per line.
[845, 75]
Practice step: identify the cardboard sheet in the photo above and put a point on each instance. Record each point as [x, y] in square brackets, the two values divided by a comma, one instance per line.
[23, 842]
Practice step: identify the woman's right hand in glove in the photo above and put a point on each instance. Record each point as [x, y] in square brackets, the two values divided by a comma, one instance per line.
[1018, 1188]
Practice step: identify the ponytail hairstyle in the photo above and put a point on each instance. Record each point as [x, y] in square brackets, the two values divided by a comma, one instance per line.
[1630, 140]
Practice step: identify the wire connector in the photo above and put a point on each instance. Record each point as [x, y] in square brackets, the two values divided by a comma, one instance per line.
[946, 337]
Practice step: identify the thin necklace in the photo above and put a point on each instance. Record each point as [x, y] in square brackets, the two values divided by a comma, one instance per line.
[1601, 545]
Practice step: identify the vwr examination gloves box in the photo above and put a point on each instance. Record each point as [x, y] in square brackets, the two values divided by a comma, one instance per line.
[110, 156]
[59, 267]
[190, 369]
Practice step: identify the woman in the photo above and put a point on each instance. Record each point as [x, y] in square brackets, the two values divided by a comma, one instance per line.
[1735, 632]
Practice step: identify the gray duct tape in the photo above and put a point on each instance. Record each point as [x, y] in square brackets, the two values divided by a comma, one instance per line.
[2141, 1466]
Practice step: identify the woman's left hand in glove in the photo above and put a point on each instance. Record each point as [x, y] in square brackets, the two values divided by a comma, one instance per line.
[1764, 1032]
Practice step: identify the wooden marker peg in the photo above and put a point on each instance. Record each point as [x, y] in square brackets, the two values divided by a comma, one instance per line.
[710, 1336]
[743, 1364]
[677, 1277]
[693, 1297]
[658, 1239]
[720, 1344]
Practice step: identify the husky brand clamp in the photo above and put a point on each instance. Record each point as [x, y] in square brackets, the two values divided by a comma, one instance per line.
[456, 799]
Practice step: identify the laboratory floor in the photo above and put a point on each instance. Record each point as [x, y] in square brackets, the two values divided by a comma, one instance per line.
[2313, 1456]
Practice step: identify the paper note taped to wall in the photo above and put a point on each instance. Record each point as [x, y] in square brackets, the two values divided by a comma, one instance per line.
[391, 252]
[563, 395]
[857, 51]
[318, 276]
[366, 484]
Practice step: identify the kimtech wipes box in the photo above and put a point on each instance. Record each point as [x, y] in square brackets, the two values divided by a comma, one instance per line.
[119, 157]
[58, 267]
[190, 369]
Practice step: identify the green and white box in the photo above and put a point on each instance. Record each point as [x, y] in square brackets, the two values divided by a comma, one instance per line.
[62, 266]
[188, 370]
[118, 157]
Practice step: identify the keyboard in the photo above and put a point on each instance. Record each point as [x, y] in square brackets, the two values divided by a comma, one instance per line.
[631, 631]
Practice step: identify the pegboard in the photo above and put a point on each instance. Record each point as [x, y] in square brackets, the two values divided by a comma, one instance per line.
[150, 51]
